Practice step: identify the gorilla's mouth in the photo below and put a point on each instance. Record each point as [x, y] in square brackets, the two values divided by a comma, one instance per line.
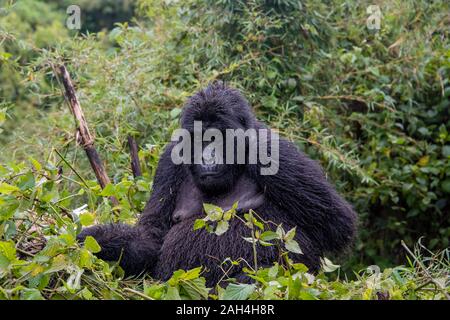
[209, 170]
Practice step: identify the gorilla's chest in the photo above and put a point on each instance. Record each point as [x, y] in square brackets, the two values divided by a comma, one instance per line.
[190, 199]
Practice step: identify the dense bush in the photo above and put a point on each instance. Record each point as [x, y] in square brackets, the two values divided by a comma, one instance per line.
[371, 106]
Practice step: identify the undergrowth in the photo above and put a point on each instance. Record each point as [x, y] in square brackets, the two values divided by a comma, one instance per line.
[40, 258]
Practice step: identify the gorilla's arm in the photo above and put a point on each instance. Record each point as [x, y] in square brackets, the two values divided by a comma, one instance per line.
[138, 246]
[302, 191]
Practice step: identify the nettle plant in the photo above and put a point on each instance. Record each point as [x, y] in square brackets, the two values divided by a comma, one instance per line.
[264, 233]
[217, 221]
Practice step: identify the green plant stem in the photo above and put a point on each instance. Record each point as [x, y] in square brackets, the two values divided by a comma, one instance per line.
[425, 270]
[72, 168]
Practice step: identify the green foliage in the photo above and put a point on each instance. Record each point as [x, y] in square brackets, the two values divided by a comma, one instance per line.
[40, 259]
[217, 221]
[371, 106]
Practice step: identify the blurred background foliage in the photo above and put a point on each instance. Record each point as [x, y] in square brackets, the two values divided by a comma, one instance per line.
[371, 106]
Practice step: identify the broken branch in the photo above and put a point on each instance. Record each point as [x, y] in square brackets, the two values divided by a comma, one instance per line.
[86, 140]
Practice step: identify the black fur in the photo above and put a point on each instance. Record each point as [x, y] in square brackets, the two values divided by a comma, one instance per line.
[297, 196]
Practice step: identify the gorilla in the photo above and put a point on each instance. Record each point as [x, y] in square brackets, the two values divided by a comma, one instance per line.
[298, 195]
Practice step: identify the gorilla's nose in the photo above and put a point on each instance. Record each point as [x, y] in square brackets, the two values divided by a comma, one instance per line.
[209, 157]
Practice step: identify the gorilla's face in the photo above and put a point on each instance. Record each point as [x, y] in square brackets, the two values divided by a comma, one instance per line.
[221, 109]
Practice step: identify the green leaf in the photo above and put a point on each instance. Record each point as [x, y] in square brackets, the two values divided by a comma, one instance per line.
[199, 223]
[51, 249]
[86, 258]
[294, 287]
[214, 212]
[4, 56]
[67, 238]
[91, 244]
[108, 191]
[268, 236]
[26, 181]
[58, 263]
[228, 214]
[280, 231]
[265, 243]
[300, 267]
[196, 288]
[155, 291]
[292, 246]
[423, 161]
[172, 294]
[8, 206]
[37, 166]
[273, 271]
[328, 266]
[87, 219]
[173, 281]
[290, 234]
[31, 294]
[4, 262]
[222, 227]
[7, 188]
[191, 274]
[308, 294]
[258, 224]
[8, 250]
[238, 291]
[86, 294]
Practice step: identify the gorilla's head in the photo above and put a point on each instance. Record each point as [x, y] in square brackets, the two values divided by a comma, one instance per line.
[217, 107]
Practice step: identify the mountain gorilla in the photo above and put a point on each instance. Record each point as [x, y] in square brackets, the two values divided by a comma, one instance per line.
[298, 195]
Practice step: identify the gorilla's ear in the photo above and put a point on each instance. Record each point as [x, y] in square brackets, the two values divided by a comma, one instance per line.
[243, 120]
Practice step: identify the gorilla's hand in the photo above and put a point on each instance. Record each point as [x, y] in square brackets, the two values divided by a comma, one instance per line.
[135, 250]
[137, 247]
[112, 238]
[95, 232]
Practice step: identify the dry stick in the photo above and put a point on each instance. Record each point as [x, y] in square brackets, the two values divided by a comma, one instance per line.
[135, 165]
[87, 142]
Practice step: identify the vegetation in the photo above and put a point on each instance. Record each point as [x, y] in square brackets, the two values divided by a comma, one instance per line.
[371, 105]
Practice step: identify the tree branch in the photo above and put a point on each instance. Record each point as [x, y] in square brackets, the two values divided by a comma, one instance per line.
[86, 140]
[135, 165]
